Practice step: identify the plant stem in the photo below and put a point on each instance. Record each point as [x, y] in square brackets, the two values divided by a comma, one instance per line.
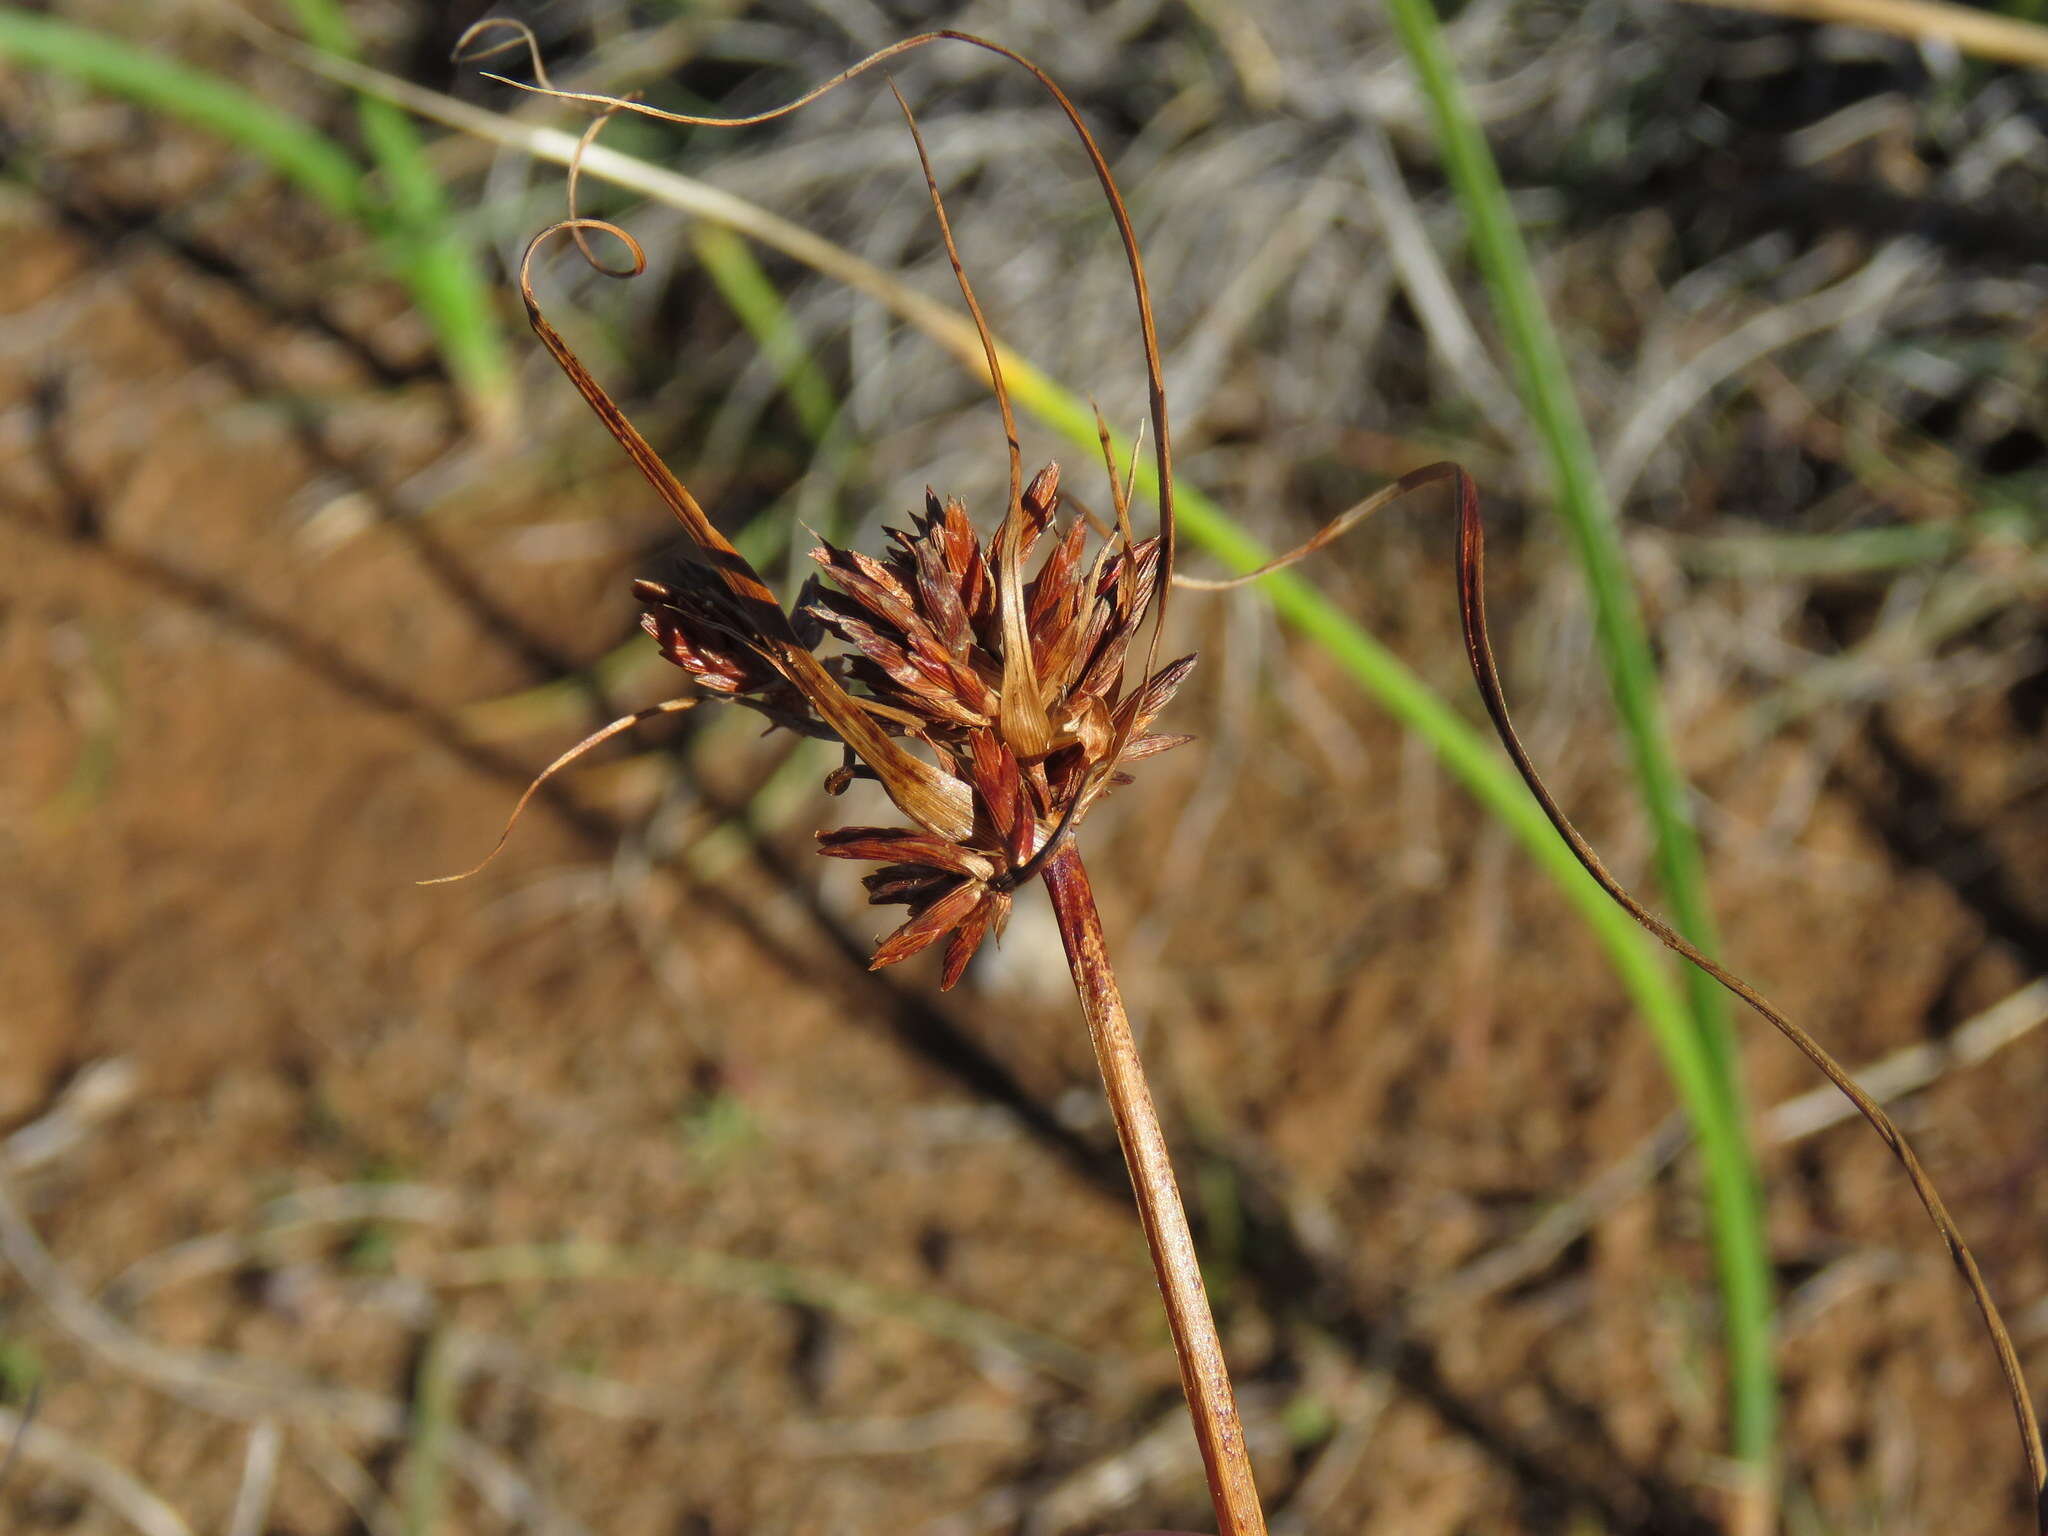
[1203, 1375]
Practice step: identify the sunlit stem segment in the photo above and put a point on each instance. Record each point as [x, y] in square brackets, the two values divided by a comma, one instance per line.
[1202, 1372]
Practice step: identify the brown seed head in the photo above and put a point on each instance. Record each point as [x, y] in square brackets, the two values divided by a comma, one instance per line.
[929, 631]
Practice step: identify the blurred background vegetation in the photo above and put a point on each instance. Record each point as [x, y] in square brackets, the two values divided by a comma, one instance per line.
[607, 1192]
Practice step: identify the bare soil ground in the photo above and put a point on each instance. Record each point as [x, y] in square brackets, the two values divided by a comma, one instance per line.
[609, 1189]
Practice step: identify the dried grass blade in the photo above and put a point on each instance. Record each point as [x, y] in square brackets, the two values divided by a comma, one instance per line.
[1119, 489]
[1331, 531]
[1479, 650]
[732, 568]
[596, 738]
[2012, 39]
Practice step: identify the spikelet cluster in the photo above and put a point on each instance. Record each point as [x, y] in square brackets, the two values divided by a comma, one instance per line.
[1012, 687]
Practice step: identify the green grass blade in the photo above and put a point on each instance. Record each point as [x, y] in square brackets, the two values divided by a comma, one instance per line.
[1624, 646]
[746, 289]
[426, 246]
[432, 1424]
[313, 162]
[429, 249]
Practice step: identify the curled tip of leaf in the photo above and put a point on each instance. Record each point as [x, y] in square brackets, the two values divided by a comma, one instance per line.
[522, 36]
[577, 227]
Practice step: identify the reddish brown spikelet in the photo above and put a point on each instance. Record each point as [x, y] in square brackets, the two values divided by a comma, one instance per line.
[927, 658]
[930, 644]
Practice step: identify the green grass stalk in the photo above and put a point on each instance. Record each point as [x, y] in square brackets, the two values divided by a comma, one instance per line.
[310, 160]
[429, 249]
[737, 274]
[425, 244]
[432, 1424]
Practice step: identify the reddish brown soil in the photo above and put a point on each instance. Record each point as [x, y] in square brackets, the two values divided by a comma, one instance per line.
[236, 734]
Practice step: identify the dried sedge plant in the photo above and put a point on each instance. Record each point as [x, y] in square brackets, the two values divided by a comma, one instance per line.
[1012, 685]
